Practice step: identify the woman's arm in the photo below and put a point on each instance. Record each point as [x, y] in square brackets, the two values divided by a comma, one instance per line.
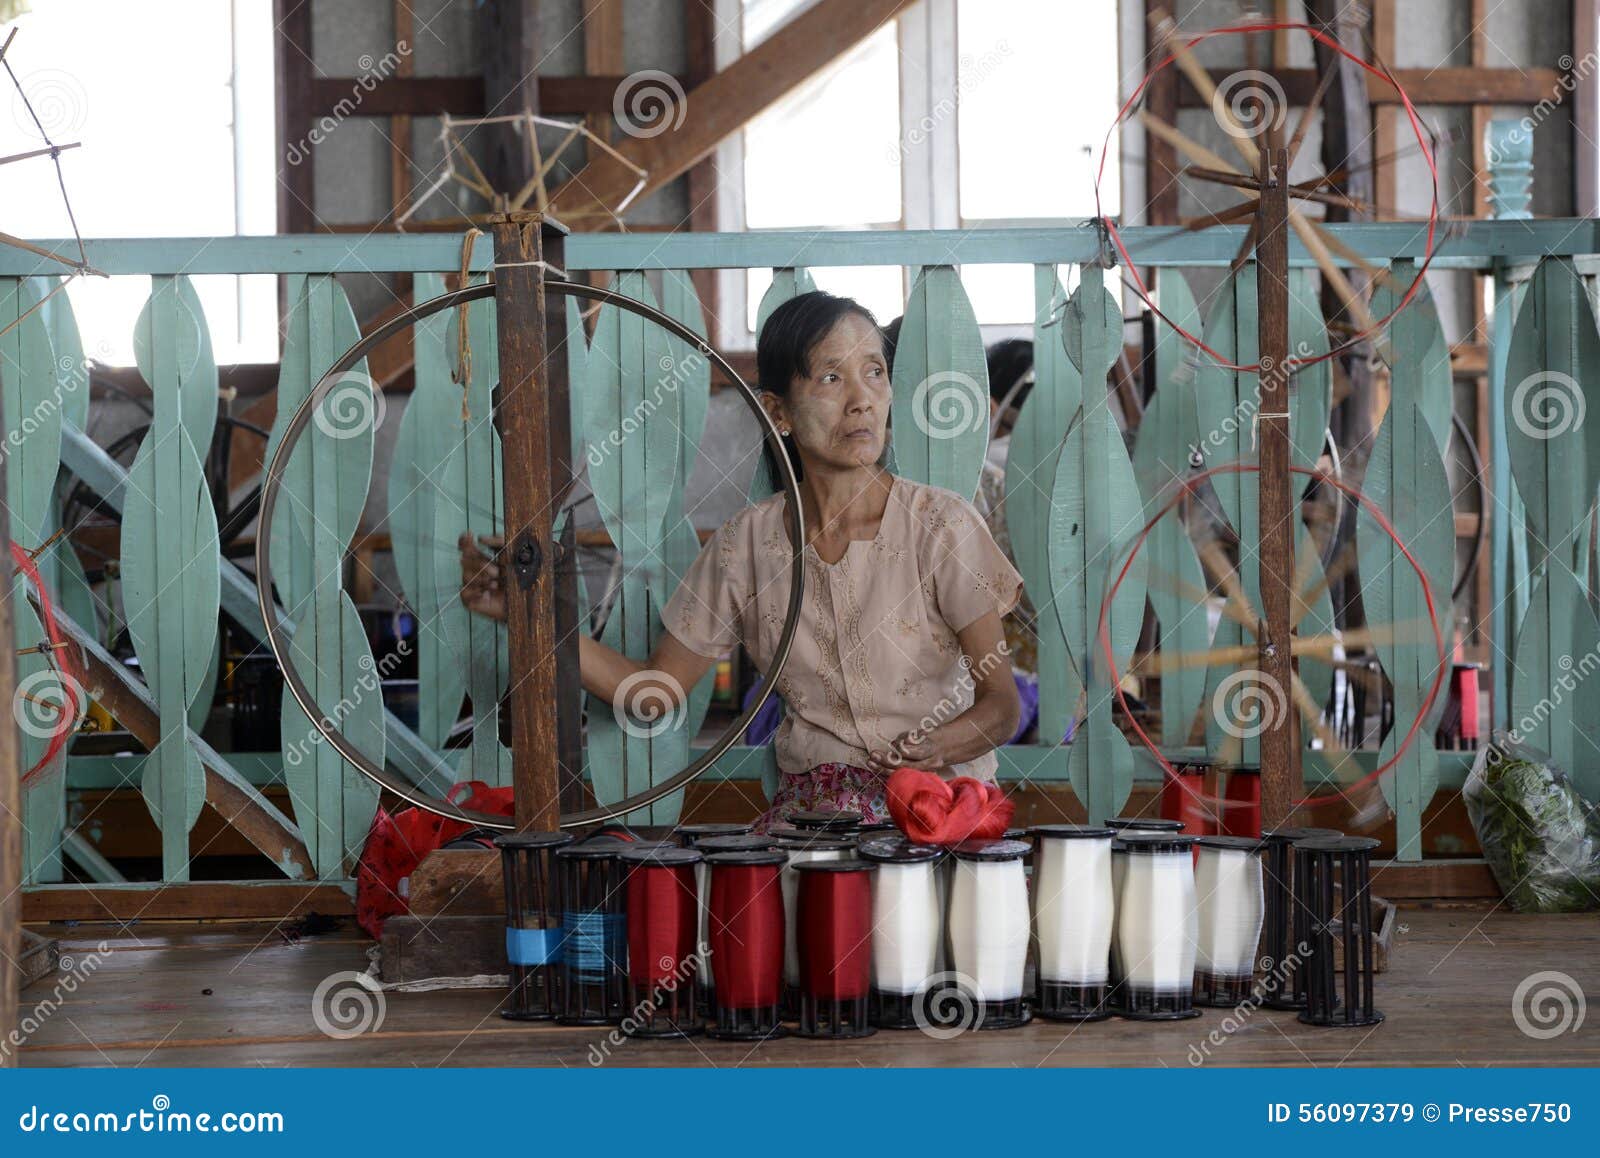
[652, 686]
[990, 721]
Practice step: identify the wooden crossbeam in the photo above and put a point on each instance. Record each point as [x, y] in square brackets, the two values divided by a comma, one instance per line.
[727, 102]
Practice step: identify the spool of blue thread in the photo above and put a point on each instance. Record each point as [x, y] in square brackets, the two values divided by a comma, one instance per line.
[533, 922]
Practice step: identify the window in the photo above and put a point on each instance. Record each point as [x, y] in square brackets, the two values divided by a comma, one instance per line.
[965, 113]
[176, 140]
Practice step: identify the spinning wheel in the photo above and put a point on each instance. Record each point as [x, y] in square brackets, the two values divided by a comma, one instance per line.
[335, 380]
[1230, 386]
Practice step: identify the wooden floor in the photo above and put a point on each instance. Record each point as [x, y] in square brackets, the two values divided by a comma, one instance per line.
[178, 994]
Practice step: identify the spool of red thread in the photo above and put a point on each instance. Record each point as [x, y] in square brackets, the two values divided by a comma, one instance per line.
[663, 935]
[747, 945]
[834, 924]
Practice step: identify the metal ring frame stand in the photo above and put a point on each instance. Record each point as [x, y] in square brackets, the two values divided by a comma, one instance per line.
[279, 644]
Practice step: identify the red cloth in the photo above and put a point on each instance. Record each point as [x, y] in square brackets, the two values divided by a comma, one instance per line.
[397, 843]
[932, 810]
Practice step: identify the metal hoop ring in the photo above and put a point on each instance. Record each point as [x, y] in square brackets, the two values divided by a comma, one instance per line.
[278, 642]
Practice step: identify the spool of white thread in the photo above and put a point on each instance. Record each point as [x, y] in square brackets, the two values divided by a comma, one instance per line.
[907, 926]
[989, 926]
[1119, 868]
[1074, 909]
[799, 852]
[1155, 925]
[1230, 903]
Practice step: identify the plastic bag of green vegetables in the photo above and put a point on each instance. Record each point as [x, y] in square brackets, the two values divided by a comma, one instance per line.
[1540, 837]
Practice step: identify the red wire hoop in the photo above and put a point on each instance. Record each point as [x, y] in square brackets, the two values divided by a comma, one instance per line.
[1187, 487]
[74, 698]
[1383, 74]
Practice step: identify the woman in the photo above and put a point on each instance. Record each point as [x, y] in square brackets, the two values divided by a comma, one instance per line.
[900, 658]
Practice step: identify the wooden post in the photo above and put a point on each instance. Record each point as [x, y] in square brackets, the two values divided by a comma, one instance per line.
[10, 799]
[536, 443]
[1280, 762]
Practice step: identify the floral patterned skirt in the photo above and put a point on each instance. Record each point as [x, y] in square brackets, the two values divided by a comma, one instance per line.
[837, 787]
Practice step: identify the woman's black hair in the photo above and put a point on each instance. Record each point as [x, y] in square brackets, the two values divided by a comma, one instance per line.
[784, 348]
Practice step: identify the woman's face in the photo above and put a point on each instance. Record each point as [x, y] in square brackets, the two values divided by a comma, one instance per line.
[839, 412]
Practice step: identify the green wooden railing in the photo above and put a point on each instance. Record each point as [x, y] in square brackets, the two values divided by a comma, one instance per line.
[1075, 496]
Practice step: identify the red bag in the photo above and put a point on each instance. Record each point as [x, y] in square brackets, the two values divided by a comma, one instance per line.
[397, 843]
[932, 810]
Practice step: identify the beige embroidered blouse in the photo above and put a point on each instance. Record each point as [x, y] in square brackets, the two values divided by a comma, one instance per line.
[876, 652]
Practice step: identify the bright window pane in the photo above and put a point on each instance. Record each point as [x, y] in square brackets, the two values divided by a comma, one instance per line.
[1001, 295]
[157, 130]
[826, 155]
[878, 287]
[1038, 90]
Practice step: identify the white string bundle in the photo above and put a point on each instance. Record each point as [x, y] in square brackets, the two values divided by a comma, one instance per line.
[907, 926]
[1073, 908]
[1230, 904]
[989, 926]
[1155, 921]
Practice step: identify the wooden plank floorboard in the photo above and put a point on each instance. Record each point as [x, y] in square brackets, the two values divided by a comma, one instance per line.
[1448, 997]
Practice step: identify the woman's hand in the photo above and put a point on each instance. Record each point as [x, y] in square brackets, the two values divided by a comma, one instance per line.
[482, 583]
[912, 749]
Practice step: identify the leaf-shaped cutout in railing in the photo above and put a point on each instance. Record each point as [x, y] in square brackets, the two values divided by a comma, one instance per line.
[197, 365]
[1161, 463]
[171, 569]
[786, 284]
[1436, 378]
[1555, 699]
[1554, 451]
[1031, 459]
[429, 428]
[28, 374]
[1405, 480]
[1096, 512]
[940, 412]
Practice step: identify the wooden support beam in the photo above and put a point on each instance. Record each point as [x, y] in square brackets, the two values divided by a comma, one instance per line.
[292, 64]
[1425, 86]
[1279, 517]
[509, 43]
[10, 795]
[535, 427]
[233, 798]
[192, 900]
[1161, 155]
[728, 101]
[602, 56]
